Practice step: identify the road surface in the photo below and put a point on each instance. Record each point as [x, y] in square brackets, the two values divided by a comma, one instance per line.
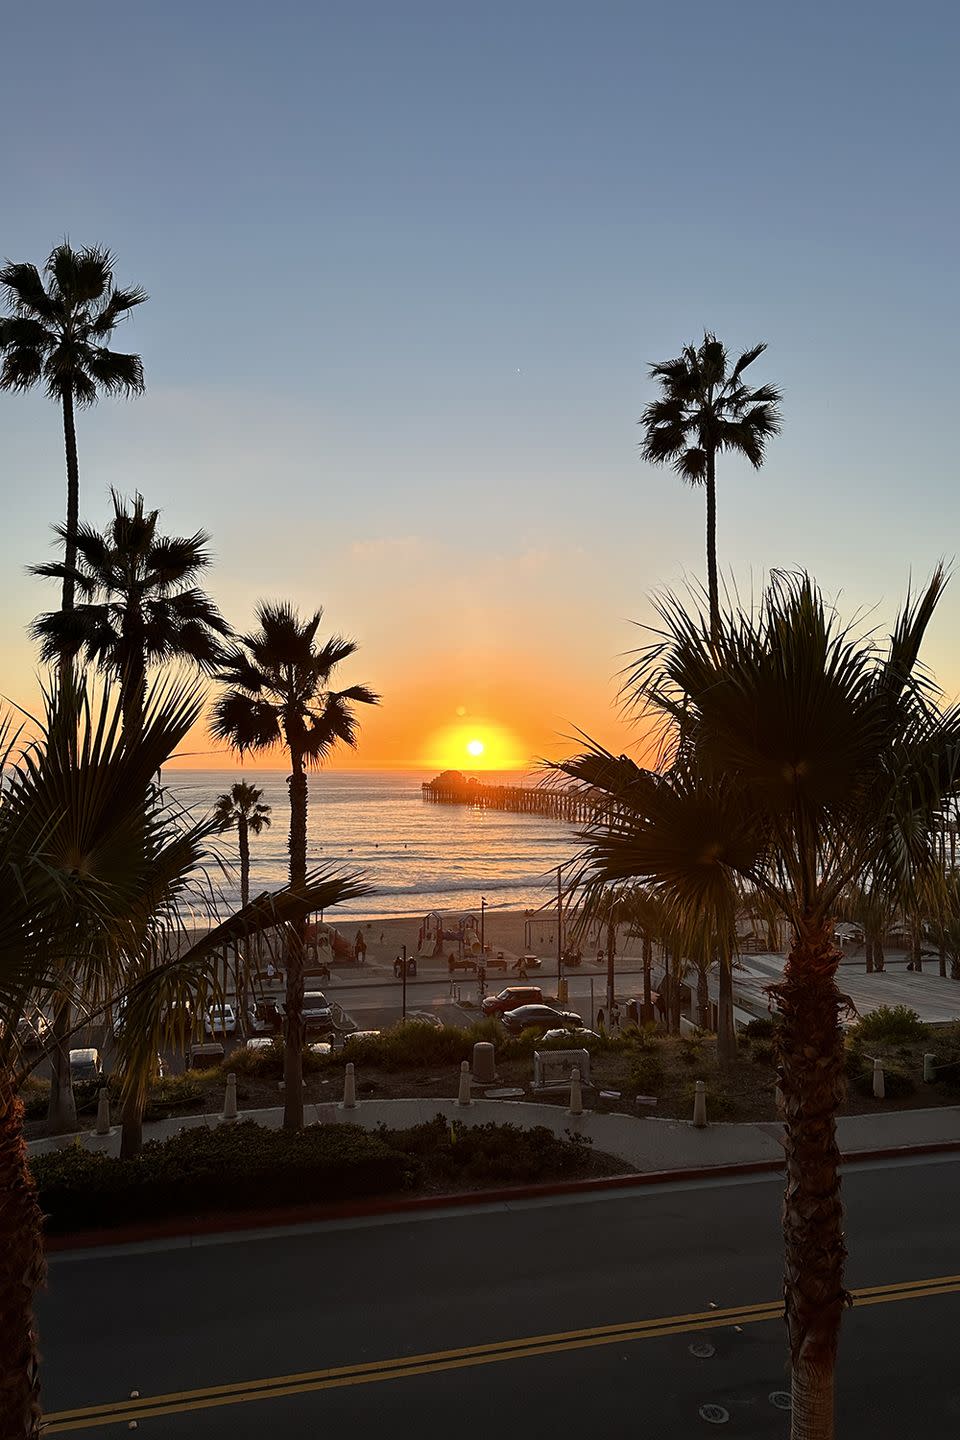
[427, 1326]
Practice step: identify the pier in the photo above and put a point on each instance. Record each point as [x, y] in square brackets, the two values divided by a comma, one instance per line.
[572, 804]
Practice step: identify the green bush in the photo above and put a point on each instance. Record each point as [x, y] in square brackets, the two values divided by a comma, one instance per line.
[35, 1095]
[266, 1063]
[491, 1154]
[891, 1023]
[229, 1167]
[173, 1093]
[898, 1083]
[760, 1029]
[763, 1055]
[646, 1073]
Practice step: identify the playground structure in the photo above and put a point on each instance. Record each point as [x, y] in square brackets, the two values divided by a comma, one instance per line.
[435, 933]
[326, 946]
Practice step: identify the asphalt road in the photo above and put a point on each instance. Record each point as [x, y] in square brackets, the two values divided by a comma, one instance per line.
[372, 1294]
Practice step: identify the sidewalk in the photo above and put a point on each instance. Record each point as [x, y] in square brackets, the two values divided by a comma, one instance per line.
[646, 1143]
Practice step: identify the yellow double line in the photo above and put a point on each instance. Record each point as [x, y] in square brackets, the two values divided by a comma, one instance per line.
[369, 1372]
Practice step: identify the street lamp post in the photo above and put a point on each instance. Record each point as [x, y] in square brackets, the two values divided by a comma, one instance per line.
[560, 933]
[483, 907]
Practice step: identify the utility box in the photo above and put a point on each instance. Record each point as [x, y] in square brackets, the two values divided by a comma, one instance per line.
[551, 1068]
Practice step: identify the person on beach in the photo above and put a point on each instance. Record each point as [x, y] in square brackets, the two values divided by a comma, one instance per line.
[600, 1018]
[633, 1013]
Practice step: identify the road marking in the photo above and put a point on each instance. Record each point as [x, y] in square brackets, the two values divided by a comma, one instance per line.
[371, 1371]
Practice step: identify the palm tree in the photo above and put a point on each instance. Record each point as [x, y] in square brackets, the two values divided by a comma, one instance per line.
[277, 694]
[705, 407]
[79, 889]
[802, 758]
[239, 809]
[57, 334]
[139, 607]
[140, 604]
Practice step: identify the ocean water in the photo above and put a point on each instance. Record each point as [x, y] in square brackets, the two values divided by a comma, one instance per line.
[417, 856]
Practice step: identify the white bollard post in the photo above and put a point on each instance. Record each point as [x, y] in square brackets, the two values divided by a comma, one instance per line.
[349, 1088]
[230, 1098]
[576, 1092]
[463, 1094]
[878, 1090]
[103, 1113]
[700, 1104]
[929, 1069]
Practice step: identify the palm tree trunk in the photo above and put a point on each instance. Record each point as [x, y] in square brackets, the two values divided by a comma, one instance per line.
[21, 1273]
[243, 842]
[703, 998]
[293, 1022]
[879, 960]
[942, 956]
[62, 1108]
[647, 985]
[810, 1055]
[868, 952]
[611, 955]
[73, 499]
[131, 1127]
[726, 1030]
[712, 584]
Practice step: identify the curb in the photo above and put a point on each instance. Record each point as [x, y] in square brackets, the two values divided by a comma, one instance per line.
[291, 1215]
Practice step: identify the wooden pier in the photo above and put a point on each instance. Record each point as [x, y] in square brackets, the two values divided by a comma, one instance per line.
[572, 804]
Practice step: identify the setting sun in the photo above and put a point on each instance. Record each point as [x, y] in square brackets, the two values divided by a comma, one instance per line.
[475, 747]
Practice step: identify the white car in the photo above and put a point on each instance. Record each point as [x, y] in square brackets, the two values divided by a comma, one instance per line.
[85, 1064]
[260, 1042]
[220, 1020]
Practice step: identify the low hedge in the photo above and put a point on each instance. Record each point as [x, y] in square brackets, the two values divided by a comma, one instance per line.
[891, 1023]
[243, 1166]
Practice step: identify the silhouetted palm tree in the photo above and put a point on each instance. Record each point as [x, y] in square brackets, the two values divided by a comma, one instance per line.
[277, 695]
[57, 334]
[802, 760]
[705, 407]
[239, 809]
[139, 604]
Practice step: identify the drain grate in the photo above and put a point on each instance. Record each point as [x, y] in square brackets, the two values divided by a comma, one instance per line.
[714, 1414]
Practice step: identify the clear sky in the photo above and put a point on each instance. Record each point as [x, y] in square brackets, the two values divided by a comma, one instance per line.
[407, 264]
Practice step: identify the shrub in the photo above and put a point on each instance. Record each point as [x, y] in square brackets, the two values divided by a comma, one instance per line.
[646, 1073]
[892, 1023]
[228, 1167]
[266, 1063]
[173, 1093]
[492, 1154]
[35, 1095]
[763, 1055]
[760, 1029]
[719, 1106]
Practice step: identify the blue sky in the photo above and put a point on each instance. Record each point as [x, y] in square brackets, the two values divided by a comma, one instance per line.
[408, 263]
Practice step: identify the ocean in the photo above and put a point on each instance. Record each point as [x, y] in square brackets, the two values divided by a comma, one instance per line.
[418, 857]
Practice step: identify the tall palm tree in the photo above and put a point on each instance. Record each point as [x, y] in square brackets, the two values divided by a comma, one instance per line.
[278, 694]
[57, 334]
[78, 890]
[802, 758]
[139, 607]
[239, 809]
[706, 407]
[140, 603]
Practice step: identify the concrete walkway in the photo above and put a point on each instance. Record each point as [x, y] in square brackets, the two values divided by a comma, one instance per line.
[645, 1143]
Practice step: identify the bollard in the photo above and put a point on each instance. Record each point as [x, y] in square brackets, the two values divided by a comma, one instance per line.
[700, 1104]
[929, 1069]
[484, 1063]
[103, 1113]
[878, 1090]
[349, 1088]
[576, 1092]
[230, 1098]
[463, 1094]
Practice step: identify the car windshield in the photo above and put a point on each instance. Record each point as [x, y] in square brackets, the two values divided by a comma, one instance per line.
[315, 1001]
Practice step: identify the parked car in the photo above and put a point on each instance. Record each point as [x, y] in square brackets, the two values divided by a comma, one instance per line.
[264, 1017]
[205, 1057]
[320, 1047]
[570, 1032]
[85, 1064]
[220, 1020]
[539, 1017]
[423, 1017]
[317, 1014]
[33, 1031]
[361, 1035]
[510, 998]
[496, 962]
[259, 1042]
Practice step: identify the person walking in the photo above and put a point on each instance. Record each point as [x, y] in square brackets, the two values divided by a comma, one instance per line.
[600, 1018]
[615, 1018]
[633, 1013]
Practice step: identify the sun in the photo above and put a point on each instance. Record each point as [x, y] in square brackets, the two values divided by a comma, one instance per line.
[475, 747]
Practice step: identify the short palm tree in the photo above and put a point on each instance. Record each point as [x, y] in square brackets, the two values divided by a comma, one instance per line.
[57, 334]
[240, 809]
[801, 758]
[706, 407]
[140, 605]
[277, 694]
[91, 862]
